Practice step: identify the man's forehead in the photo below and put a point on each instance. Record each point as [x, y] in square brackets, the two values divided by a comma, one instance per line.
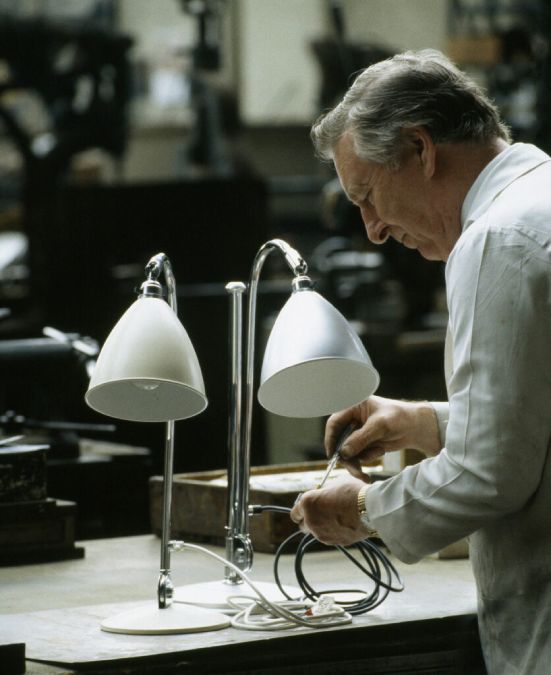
[354, 173]
[344, 146]
[344, 155]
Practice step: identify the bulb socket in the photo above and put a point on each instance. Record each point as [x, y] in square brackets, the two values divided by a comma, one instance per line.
[151, 289]
[302, 283]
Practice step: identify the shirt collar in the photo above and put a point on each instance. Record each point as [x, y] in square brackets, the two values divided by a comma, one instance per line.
[505, 168]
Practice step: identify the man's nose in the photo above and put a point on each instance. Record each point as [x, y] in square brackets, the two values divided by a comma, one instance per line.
[377, 231]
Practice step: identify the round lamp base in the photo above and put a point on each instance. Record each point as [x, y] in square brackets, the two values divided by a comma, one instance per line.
[150, 620]
[214, 594]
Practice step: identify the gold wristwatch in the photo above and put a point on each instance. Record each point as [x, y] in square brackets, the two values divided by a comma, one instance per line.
[363, 512]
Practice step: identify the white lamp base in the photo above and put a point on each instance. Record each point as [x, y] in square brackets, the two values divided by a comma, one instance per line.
[213, 595]
[150, 620]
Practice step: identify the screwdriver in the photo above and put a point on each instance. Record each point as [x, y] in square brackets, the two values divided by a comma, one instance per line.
[336, 455]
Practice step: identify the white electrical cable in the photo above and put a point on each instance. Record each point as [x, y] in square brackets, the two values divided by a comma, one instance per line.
[261, 614]
[287, 614]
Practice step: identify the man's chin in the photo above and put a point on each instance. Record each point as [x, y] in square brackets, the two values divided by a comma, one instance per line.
[409, 243]
[434, 256]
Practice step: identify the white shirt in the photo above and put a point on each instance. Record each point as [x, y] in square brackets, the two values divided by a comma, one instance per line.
[492, 479]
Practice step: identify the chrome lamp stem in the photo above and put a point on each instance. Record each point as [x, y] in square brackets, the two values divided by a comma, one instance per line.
[151, 287]
[238, 546]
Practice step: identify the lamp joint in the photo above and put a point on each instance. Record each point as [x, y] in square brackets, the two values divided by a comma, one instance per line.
[165, 589]
[176, 545]
[151, 289]
[302, 283]
[155, 266]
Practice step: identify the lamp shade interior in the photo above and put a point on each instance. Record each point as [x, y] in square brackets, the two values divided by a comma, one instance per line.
[147, 370]
[314, 363]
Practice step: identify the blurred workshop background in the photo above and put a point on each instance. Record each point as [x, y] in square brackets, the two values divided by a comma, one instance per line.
[129, 127]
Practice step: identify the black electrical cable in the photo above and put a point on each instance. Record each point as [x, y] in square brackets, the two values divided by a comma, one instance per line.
[374, 564]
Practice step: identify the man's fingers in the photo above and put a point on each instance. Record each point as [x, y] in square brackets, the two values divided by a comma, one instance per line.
[330, 513]
[335, 426]
[354, 468]
[360, 440]
[297, 512]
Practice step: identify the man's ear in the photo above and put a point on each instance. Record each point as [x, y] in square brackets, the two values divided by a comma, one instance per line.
[424, 149]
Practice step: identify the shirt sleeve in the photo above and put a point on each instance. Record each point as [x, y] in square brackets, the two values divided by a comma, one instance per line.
[496, 440]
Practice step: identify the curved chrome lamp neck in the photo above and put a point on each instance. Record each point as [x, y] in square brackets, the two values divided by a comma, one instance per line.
[151, 288]
[299, 267]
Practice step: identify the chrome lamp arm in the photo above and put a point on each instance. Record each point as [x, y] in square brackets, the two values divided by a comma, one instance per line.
[152, 288]
[238, 544]
[300, 268]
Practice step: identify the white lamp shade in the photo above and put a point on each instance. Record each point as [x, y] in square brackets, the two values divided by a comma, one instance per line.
[147, 370]
[314, 363]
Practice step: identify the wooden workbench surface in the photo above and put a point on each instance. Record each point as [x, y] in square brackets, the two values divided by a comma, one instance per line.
[56, 608]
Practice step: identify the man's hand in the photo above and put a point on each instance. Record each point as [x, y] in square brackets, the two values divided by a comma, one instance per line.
[382, 425]
[331, 513]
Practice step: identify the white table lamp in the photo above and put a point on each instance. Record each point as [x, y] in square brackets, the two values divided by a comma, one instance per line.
[147, 371]
[314, 364]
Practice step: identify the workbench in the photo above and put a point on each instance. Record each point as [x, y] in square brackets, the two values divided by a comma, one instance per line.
[55, 609]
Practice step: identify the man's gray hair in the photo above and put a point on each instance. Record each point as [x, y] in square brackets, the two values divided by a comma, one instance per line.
[411, 89]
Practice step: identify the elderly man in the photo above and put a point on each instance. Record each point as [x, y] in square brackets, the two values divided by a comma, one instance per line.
[421, 151]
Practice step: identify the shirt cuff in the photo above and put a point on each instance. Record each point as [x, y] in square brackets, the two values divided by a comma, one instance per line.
[442, 410]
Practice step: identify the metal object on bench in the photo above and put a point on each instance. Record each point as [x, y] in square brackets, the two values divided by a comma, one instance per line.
[33, 528]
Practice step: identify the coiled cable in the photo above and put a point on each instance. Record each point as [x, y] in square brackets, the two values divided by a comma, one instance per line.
[259, 613]
[371, 560]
